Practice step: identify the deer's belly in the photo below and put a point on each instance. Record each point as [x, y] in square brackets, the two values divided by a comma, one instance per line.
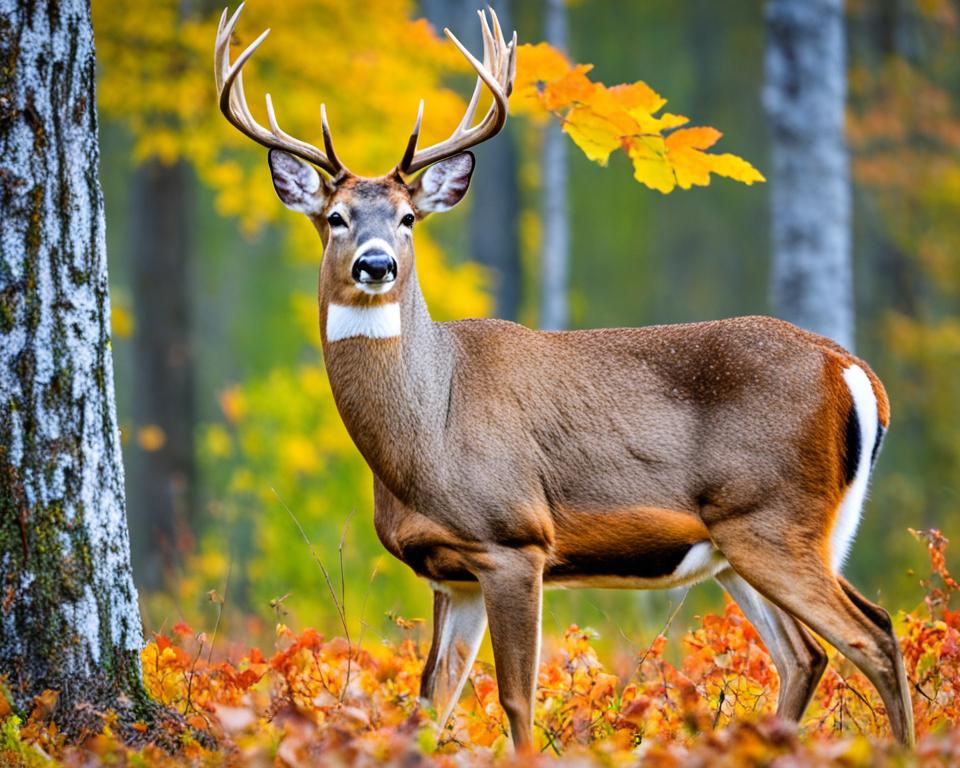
[665, 571]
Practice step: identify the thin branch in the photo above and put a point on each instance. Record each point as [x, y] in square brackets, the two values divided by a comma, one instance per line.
[326, 575]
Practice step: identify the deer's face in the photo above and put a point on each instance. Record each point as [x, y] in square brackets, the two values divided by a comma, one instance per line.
[366, 224]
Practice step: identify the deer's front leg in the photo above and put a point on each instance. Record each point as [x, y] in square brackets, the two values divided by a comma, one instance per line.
[459, 619]
[513, 592]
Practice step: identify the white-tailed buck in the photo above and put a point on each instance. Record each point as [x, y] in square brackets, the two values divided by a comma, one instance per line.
[506, 459]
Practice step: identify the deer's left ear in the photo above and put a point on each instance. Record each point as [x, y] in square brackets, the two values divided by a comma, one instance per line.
[443, 184]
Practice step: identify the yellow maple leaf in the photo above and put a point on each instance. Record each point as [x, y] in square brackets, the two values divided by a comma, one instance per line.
[650, 165]
[592, 133]
[734, 167]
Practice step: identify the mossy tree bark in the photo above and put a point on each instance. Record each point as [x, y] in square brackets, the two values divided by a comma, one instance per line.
[69, 619]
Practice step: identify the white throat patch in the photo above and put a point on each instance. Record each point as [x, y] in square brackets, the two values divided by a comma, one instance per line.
[346, 322]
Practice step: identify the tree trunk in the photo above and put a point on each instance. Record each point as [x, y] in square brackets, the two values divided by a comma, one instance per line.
[804, 95]
[494, 239]
[161, 486]
[69, 614]
[555, 259]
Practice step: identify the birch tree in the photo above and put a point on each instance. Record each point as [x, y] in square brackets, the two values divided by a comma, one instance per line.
[555, 257]
[804, 95]
[69, 619]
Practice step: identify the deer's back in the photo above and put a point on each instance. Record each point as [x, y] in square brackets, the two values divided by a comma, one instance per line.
[676, 416]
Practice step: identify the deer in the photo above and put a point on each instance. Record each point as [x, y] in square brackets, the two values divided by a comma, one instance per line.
[506, 460]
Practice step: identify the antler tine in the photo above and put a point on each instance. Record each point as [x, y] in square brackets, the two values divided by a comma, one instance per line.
[411, 149]
[328, 140]
[471, 107]
[233, 102]
[489, 62]
[496, 72]
[512, 65]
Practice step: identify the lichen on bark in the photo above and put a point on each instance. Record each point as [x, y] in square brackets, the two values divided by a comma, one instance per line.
[68, 606]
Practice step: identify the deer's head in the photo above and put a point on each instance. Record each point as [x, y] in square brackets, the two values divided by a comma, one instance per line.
[366, 224]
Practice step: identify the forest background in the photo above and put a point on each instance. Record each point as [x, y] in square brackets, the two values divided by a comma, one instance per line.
[230, 434]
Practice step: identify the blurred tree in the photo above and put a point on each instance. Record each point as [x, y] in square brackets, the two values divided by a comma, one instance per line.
[905, 133]
[70, 620]
[494, 238]
[804, 94]
[555, 250]
[162, 483]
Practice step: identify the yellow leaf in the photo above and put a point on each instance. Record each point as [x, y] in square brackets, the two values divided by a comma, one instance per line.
[736, 168]
[151, 437]
[121, 322]
[637, 95]
[650, 165]
[593, 133]
[217, 441]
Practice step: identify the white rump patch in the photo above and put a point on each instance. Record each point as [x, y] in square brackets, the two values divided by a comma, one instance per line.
[346, 322]
[848, 515]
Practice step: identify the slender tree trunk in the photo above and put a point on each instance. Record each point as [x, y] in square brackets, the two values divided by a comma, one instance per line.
[495, 194]
[68, 613]
[163, 476]
[555, 259]
[805, 93]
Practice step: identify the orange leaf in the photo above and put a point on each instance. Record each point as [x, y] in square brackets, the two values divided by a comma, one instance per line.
[637, 95]
[182, 628]
[574, 87]
[703, 137]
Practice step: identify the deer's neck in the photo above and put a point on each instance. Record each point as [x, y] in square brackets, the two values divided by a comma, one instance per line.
[390, 369]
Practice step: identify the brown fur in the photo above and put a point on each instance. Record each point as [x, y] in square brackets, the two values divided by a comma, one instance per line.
[509, 457]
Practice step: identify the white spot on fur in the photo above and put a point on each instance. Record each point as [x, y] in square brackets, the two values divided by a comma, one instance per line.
[848, 515]
[346, 322]
[702, 561]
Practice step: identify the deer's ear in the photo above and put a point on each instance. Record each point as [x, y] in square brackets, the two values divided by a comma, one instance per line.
[443, 184]
[299, 186]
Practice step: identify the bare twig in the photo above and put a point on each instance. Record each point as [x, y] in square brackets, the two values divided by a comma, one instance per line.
[221, 602]
[663, 631]
[341, 610]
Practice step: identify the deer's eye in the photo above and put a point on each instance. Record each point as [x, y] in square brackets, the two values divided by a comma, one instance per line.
[408, 220]
[336, 220]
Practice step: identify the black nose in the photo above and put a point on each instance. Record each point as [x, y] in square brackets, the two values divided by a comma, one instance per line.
[375, 267]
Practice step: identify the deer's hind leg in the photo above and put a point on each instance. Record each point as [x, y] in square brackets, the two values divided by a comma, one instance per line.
[784, 554]
[800, 660]
[459, 621]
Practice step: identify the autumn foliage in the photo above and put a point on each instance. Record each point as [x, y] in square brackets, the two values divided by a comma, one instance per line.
[600, 120]
[318, 700]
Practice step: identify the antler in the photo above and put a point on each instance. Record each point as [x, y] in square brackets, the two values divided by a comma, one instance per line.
[233, 103]
[498, 71]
